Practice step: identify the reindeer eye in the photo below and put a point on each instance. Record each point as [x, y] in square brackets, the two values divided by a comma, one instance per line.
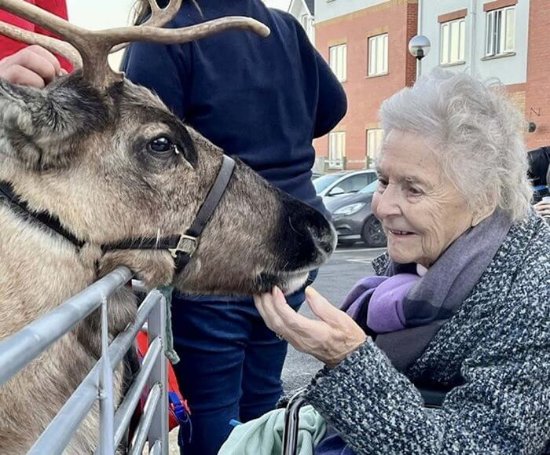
[161, 144]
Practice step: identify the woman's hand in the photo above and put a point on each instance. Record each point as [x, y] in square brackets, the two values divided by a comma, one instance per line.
[330, 339]
[32, 66]
[543, 208]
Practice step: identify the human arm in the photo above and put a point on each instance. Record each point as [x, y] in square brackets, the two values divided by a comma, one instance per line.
[330, 339]
[9, 46]
[501, 408]
[32, 66]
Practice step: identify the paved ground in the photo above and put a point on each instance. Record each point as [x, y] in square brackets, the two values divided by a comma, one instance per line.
[335, 279]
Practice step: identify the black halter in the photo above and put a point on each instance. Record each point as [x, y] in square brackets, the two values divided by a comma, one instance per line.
[181, 247]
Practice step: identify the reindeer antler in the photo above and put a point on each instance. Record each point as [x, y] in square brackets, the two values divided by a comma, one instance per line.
[159, 17]
[94, 46]
[50, 43]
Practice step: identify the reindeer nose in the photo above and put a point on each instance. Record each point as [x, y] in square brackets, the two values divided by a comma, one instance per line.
[311, 223]
[326, 241]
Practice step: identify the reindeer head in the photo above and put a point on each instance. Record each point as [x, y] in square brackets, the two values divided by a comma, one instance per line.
[108, 159]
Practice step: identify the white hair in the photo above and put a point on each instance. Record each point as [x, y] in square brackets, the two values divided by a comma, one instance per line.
[477, 134]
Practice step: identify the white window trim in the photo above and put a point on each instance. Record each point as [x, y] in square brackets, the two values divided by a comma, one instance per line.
[375, 65]
[452, 52]
[337, 58]
[491, 48]
[336, 146]
[375, 137]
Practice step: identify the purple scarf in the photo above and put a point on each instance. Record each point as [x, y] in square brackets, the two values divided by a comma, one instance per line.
[407, 310]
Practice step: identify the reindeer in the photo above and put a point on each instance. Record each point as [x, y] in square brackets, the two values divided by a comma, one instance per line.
[95, 173]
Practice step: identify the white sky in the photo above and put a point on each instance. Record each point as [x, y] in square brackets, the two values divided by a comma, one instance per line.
[113, 13]
[98, 14]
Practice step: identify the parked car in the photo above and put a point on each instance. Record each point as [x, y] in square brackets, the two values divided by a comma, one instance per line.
[315, 175]
[353, 218]
[339, 183]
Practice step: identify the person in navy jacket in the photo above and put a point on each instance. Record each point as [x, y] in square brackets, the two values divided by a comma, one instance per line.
[262, 100]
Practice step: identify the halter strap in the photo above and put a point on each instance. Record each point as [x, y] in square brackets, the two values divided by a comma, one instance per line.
[181, 247]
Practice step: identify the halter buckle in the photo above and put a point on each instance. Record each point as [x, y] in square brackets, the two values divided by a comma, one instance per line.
[186, 244]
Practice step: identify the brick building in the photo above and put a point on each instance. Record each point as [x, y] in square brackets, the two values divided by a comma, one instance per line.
[365, 42]
[537, 93]
[503, 39]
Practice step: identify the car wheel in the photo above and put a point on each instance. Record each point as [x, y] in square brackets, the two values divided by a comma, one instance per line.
[346, 242]
[373, 234]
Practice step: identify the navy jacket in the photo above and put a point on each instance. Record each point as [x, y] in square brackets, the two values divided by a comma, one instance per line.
[261, 99]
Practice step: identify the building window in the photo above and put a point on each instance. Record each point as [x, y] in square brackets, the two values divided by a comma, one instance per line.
[374, 142]
[501, 31]
[337, 59]
[336, 149]
[453, 42]
[378, 55]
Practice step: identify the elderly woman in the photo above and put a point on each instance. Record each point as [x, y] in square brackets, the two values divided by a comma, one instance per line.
[461, 302]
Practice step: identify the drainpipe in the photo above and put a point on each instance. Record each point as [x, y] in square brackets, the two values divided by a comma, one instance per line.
[473, 37]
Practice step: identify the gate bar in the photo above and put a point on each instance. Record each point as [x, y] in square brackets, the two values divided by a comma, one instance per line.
[19, 349]
[60, 430]
[140, 438]
[126, 409]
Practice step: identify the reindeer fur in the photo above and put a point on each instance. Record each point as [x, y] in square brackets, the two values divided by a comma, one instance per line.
[83, 155]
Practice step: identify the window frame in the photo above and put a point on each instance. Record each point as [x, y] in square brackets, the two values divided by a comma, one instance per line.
[448, 46]
[373, 47]
[499, 31]
[370, 159]
[336, 143]
[338, 61]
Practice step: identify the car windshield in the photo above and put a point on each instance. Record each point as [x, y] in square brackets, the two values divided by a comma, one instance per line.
[370, 188]
[324, 181]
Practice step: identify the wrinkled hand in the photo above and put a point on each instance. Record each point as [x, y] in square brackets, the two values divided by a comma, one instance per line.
[330, 339]
[33, 66]
[542, 208]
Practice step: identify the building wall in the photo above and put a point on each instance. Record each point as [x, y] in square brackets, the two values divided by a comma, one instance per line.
[510, 69]
[525, 74]
[299, 10]
[365, 94]
[330, 9]
[537, 99]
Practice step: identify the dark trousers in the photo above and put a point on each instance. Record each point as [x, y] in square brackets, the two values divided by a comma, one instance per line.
[230, 365]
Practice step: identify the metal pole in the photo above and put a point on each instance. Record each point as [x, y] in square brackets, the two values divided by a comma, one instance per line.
[60, 430]
[419, 32]
[106, 399]
[156, 327]
[20, 348]
[292, 416]
[126, 409]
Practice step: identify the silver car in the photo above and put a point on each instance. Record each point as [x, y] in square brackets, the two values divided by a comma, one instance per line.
[330, 185]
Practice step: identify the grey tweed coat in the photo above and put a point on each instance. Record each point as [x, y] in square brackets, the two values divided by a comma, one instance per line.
[497, 345]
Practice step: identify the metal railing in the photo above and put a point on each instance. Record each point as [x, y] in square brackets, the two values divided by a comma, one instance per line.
[22, 347]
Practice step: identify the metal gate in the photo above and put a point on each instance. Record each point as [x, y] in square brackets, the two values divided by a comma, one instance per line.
[22, 347]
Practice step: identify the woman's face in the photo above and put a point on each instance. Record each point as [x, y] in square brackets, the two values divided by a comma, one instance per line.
[421, 211]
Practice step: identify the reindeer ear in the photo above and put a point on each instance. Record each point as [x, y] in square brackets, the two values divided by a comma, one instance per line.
[38, 127]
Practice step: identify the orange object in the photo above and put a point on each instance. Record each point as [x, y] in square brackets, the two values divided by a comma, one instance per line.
[179, 412]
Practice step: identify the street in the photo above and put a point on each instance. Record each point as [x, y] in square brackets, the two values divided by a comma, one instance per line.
[335, 279]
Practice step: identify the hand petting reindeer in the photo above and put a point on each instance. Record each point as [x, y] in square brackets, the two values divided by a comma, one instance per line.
[95, 172]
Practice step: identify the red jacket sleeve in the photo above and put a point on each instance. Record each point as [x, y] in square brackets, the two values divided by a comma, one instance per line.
[9, 46]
